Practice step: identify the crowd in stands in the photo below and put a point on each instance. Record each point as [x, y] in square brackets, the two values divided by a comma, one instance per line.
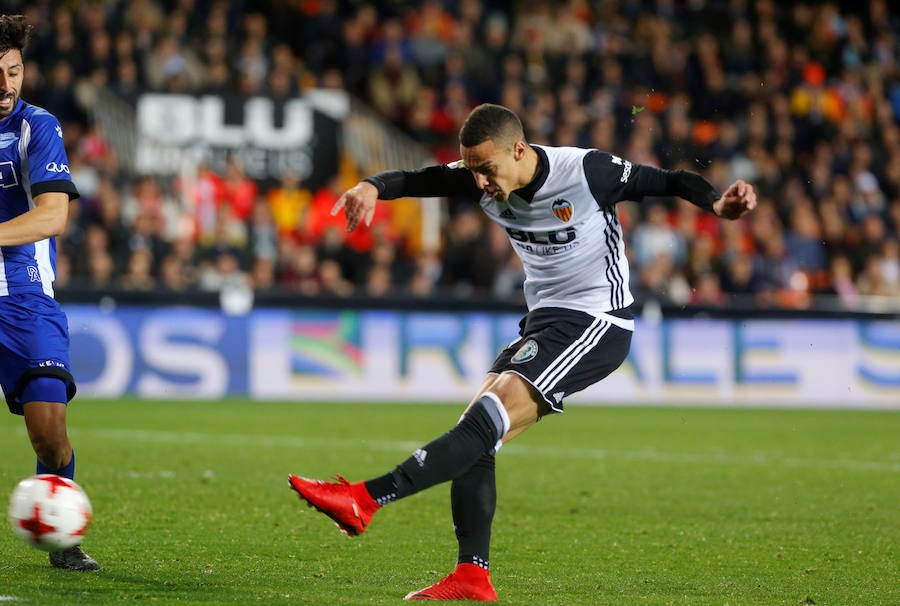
[802, 99]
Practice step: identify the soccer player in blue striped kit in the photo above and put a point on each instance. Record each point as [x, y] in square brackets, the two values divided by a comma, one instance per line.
[35, 190]
[557, 207]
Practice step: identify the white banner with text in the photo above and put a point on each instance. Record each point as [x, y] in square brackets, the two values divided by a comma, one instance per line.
[409, 356]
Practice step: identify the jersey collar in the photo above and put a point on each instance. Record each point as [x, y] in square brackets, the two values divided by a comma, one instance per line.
[527, 192]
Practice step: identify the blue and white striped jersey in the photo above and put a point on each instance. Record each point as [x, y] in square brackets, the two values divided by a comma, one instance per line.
[32, 161]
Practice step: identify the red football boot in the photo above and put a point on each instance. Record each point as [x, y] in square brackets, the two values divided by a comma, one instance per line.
[349, 505]
[467, 582]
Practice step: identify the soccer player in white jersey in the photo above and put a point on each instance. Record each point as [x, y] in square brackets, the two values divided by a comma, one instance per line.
[35, 190]
[558, 208]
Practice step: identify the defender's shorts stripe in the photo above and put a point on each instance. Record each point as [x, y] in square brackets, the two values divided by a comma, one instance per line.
[572, 355]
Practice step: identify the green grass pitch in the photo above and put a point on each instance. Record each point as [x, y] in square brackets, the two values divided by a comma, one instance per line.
[618, 505]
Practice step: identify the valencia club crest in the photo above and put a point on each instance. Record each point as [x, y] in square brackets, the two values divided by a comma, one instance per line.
[563, 210]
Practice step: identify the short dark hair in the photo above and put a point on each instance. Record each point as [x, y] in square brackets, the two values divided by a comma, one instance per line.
[15, 32]
[491, 122]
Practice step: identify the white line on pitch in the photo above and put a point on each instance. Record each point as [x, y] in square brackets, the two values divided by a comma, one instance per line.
[714, 457]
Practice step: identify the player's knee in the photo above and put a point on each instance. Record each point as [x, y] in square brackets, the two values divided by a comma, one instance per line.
[49, 439]
[51, 448]
[491, 409]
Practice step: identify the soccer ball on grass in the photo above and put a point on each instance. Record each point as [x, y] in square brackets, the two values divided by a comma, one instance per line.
[49, 512]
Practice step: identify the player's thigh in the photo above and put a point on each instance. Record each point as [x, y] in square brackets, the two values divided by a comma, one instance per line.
[34, 342]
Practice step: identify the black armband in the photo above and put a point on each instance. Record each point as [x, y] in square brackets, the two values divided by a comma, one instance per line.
[390, 183]
[692, 187]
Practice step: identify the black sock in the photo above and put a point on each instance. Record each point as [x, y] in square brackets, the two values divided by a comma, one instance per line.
[383, 488]
[442, 459]
[473, 499]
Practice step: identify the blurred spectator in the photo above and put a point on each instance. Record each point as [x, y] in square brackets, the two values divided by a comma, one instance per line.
[139, 271]
[655, 238]
[147, 202]
[223, 272]
[101, 270]
[467, 267]
[238, 190]
[289, 202]
[707, 290]
[394, 86]
[171, 66]
[842, 283]
[263, 233]
[58, 96]
[332, 280]
[297, 268]
[173, 273]
[804, 240]
[262, 274]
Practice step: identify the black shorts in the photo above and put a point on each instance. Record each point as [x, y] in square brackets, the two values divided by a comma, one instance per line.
[562, 351]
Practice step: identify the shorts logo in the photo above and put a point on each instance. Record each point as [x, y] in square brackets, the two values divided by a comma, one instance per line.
[563, 210]
[526, 353]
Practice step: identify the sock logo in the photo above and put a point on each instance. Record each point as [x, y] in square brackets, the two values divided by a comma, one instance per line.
[420, 455]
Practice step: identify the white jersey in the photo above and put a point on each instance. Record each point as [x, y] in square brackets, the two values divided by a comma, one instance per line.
[563, 224]
[570, 242]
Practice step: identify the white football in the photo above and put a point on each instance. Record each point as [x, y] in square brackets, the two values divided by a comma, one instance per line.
[49, 512]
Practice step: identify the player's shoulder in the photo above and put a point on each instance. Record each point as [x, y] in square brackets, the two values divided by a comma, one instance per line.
[563, 159]
[563, 153]
[36, 115]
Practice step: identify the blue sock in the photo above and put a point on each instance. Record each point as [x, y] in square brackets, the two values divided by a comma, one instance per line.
[66, 471]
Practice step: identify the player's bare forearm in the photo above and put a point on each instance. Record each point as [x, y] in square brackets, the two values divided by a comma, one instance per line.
[737, 201]
[47, 219]
[358, 203]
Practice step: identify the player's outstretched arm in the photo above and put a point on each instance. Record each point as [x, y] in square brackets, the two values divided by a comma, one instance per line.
[358, 203]
[737, 201]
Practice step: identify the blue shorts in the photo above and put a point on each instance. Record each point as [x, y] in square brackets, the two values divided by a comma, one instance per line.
[34, 342]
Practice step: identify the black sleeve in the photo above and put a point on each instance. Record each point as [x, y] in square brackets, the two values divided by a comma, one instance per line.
[432, 181]
[650, 181]
[613, 179]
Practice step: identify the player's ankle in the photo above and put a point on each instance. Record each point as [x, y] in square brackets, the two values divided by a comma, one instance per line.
[362, 497]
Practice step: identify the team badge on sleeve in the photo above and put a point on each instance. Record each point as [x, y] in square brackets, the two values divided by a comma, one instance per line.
[563, 210]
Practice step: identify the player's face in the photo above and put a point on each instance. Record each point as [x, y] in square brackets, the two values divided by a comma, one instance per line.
[495, 167]
[12, 72]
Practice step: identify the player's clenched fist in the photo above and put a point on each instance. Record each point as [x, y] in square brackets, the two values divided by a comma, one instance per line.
[738, 200]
